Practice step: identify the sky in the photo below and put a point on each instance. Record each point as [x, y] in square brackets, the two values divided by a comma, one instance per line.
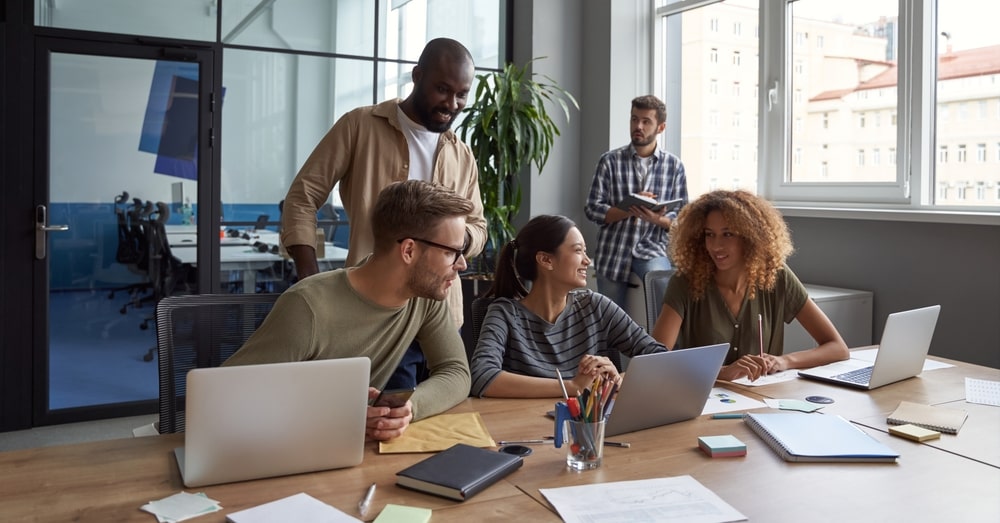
[971, 23]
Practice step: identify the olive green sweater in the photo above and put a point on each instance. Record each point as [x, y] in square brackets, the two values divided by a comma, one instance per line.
[323, 317]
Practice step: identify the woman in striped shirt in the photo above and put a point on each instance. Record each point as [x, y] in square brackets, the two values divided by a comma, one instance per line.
[528, 335]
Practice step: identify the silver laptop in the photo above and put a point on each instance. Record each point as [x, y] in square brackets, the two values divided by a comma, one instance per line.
[666, 387]
[259, 421]
[906, 339]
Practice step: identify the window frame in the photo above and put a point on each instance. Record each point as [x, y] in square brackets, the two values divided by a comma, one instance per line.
[911, 194]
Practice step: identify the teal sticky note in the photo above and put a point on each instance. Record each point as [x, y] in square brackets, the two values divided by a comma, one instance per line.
[803, 406]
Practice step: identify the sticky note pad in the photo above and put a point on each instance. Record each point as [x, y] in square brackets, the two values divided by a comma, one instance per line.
[913, 432]
[403, 514]
[722, 446]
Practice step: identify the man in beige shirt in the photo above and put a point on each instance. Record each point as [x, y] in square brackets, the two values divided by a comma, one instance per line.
[370, 147]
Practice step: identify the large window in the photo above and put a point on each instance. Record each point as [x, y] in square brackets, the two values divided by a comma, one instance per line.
[831, 79]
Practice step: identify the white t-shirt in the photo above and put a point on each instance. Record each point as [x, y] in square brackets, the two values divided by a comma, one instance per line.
[422, 144]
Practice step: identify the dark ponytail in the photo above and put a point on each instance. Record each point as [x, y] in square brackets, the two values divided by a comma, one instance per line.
[516, 262]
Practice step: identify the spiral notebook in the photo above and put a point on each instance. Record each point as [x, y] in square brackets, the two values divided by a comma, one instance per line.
[817, 437]
[941, 419]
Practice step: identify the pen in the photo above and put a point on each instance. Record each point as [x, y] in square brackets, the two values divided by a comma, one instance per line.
[562, 384]
[366, 502]
[620, 444]
[728, 415]
[524, 441]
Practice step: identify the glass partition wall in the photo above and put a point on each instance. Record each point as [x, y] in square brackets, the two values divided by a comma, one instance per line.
[221, 156]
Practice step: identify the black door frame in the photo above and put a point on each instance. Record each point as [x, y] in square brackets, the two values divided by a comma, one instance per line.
[24, 300]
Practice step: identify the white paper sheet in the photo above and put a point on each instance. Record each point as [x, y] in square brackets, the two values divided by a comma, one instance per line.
[722, 400]
[680, 498]
[985, 392]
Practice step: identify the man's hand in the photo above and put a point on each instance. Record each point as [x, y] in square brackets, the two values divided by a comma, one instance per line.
[386, 423]
[657, 218]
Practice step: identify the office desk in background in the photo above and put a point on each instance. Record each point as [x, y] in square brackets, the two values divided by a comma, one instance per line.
[238, 254]
[108, 481]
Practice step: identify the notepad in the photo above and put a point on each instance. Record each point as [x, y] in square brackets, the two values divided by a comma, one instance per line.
[403, 514]
[941, 419]
[914, 432]
[722, 446]
[652, 204]
[817, 437]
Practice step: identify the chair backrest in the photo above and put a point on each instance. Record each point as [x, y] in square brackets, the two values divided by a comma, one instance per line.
[655, 284]
[200, 330]
[478, 308]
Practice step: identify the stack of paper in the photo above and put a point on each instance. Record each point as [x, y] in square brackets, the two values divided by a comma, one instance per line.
[300, 507]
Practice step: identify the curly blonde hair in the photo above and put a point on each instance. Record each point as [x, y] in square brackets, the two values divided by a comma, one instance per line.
[766, 240]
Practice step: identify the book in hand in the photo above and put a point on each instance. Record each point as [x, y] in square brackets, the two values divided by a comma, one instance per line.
[817, 437]
[652, 204]
[458, 472]
[941, 419]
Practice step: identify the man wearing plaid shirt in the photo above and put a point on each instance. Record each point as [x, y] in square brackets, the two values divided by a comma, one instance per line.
[634, 241]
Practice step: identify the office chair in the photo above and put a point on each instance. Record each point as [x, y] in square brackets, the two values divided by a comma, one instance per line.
[197, 331]
[478, 307]
[132, 250]
[655, 284]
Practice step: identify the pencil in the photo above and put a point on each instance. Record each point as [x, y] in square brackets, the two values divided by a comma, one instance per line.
[760, 333]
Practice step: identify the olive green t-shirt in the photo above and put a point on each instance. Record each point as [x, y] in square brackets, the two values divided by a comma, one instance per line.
[708, 321]
[323, 317]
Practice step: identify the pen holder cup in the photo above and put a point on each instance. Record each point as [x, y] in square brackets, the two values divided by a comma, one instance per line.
[584, 444]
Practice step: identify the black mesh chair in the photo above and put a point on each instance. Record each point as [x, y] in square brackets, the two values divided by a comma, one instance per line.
[655, 284]
[196, 331]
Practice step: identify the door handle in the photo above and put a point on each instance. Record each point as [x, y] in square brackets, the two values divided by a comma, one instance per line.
[42, 228]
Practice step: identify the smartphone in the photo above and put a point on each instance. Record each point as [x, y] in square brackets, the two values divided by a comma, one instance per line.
[393, 398]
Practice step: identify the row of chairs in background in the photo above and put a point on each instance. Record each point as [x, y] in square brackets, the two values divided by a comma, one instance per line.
[143, 247]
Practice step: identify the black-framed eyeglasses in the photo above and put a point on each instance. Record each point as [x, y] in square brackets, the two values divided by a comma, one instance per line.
[457, 252]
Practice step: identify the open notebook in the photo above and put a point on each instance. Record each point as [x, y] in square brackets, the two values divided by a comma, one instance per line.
[258, 421]
[901, 352]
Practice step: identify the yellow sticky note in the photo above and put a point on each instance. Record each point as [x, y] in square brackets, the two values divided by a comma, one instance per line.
[913, 432]
[403, 514]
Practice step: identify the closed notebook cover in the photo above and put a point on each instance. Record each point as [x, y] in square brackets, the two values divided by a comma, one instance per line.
[941, 419]
[817, 437]
[458, 472]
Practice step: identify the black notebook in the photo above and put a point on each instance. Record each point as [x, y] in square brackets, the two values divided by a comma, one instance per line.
[639, 200]
[817, 437]
[459, 472]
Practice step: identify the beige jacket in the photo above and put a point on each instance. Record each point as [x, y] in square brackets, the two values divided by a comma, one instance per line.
[366, 151]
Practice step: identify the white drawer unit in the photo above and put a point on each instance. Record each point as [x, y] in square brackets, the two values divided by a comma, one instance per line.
[850, 311]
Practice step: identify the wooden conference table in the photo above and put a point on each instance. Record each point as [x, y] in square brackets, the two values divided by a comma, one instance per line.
[955, 478]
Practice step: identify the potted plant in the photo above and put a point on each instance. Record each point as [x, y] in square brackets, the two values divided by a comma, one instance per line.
[507, 127]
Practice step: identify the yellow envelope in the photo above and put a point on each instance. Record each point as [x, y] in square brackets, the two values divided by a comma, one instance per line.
[439, 433]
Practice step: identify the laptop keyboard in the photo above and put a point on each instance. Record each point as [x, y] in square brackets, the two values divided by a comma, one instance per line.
[859, 376]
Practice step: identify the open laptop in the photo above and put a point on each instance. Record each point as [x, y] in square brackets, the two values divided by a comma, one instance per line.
[906, 339]
[259, 421]
[665, 388]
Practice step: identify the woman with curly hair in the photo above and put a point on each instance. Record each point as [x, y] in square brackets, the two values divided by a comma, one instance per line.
[732, 285]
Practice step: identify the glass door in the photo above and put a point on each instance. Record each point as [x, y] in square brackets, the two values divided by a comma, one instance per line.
[119, 139]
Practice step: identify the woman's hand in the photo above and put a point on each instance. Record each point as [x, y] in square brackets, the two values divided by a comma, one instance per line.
[749, 366]
[592, 366]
